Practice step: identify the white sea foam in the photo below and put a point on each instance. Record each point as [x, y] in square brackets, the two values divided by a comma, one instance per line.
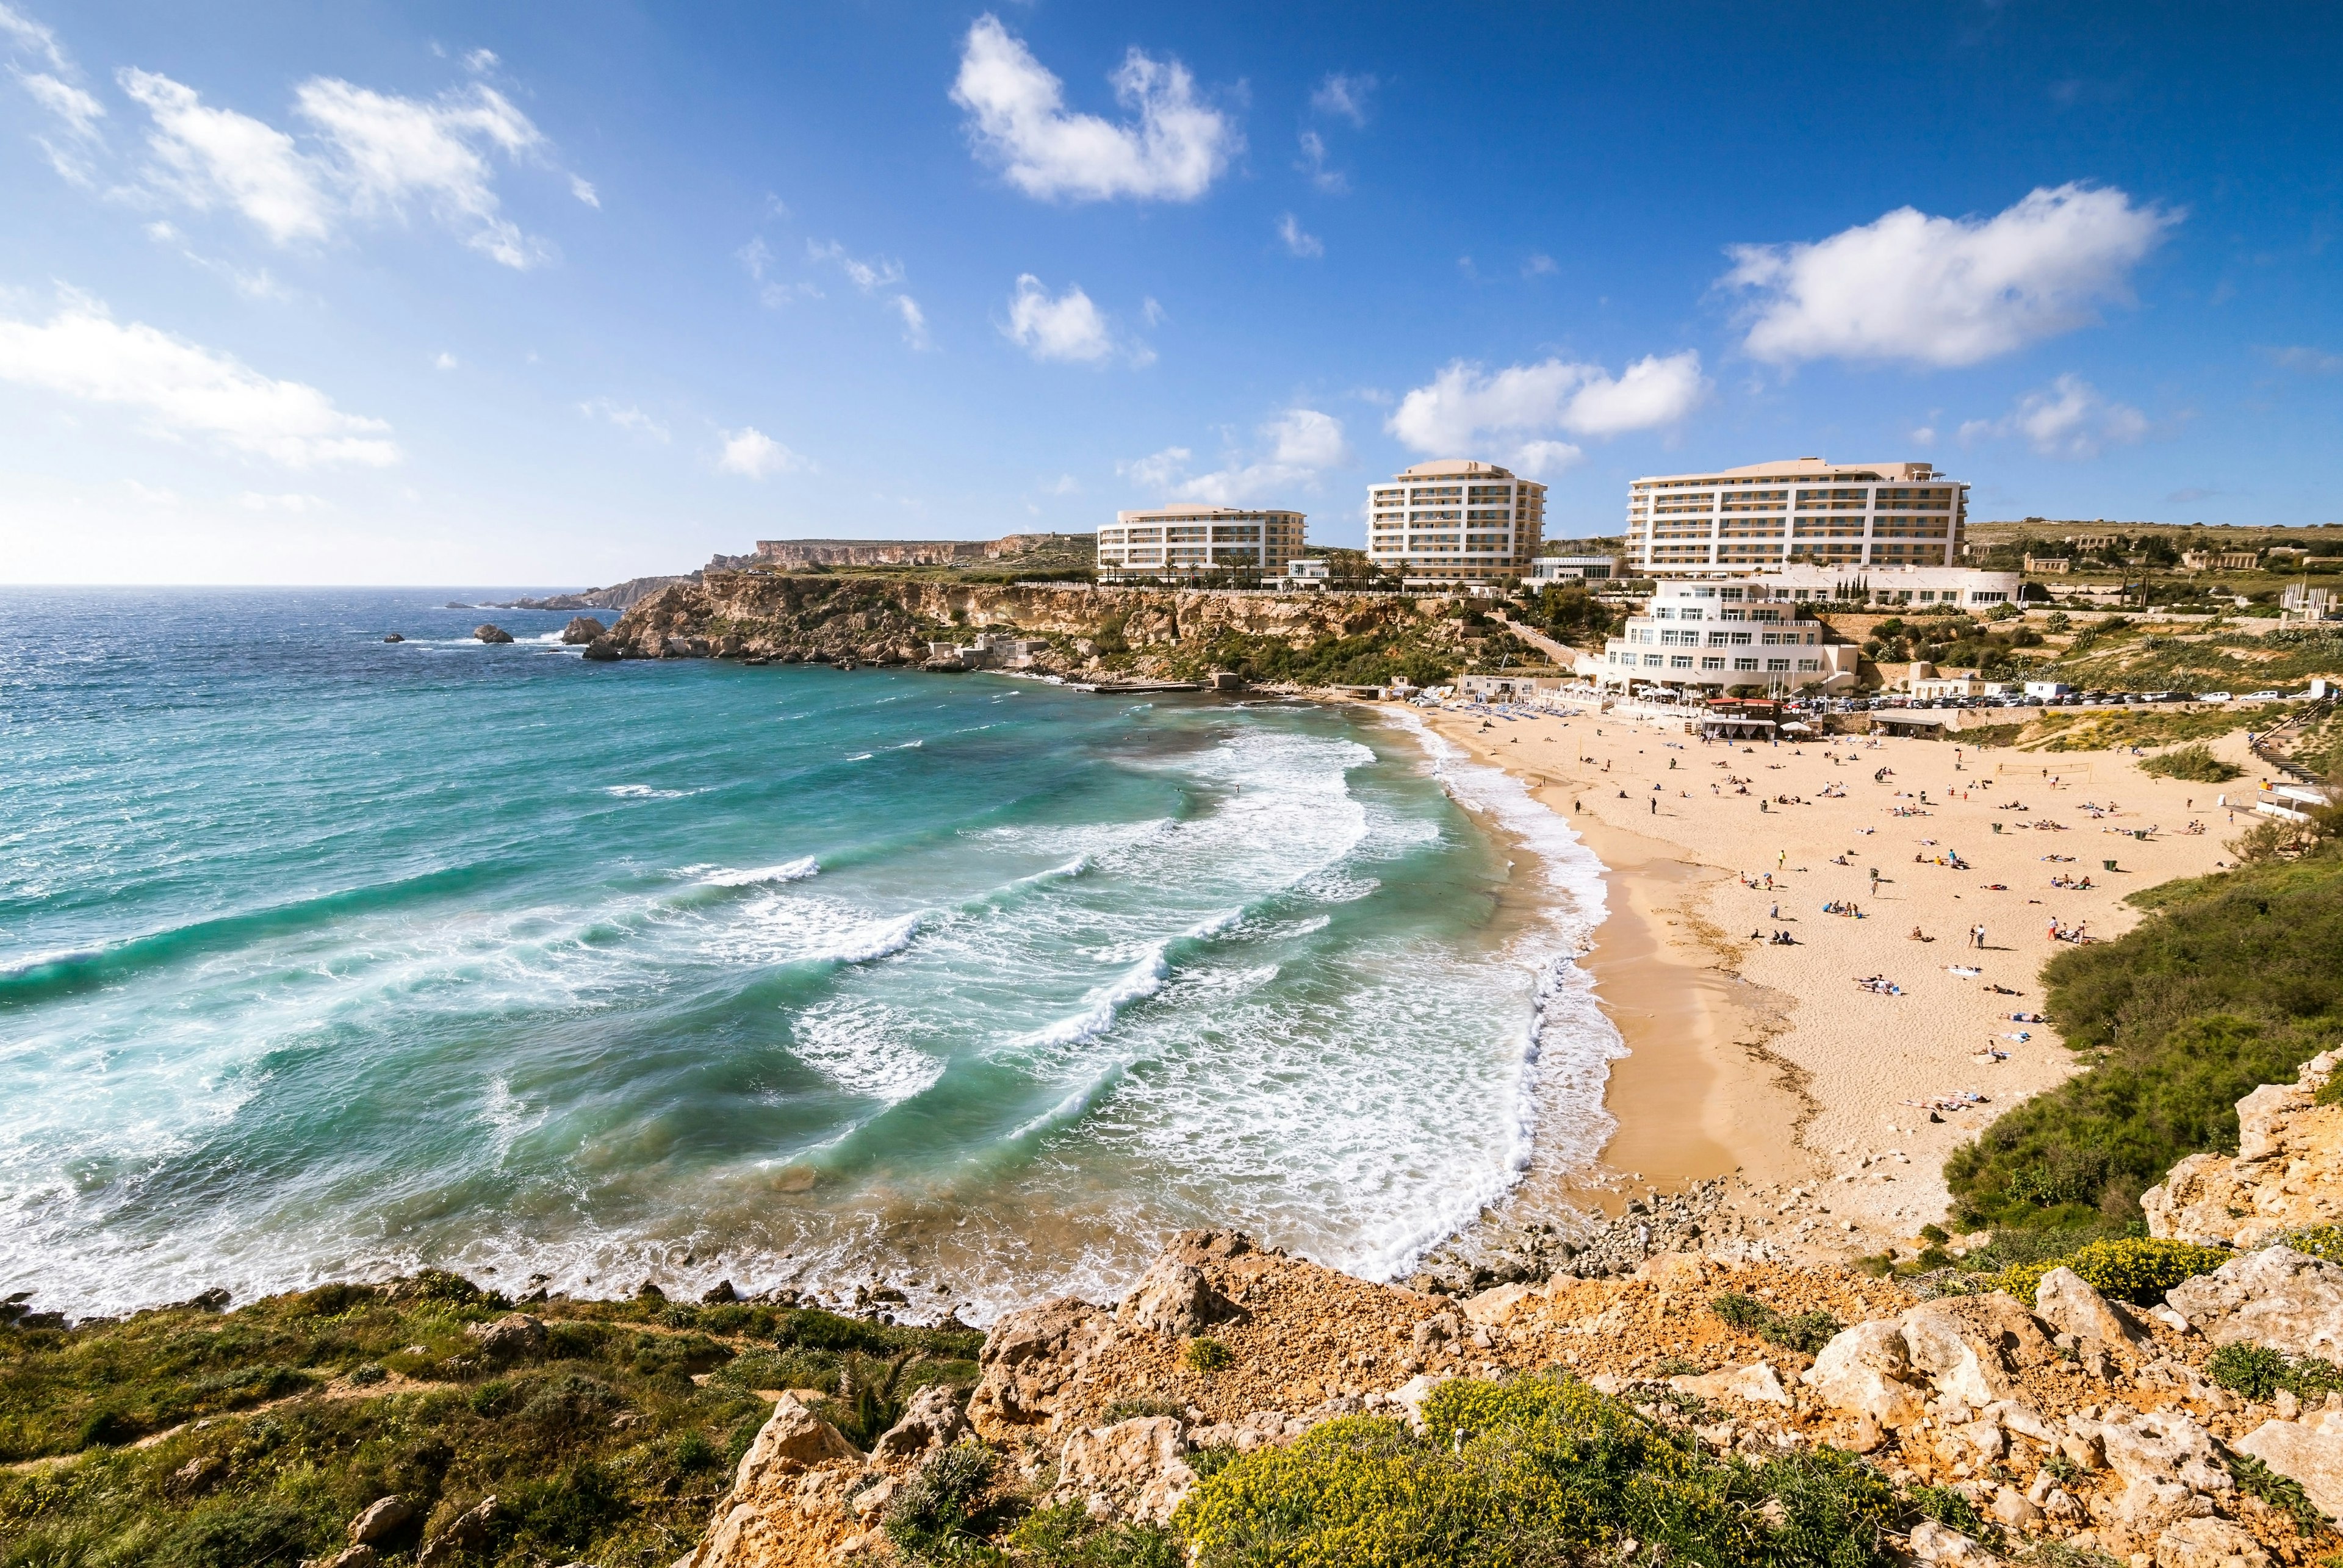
[783, 928]
[646, 792]
[860, 1045]
[795, 871]
[863, 757]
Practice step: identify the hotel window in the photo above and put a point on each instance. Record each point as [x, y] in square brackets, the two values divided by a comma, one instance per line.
[1711, 664]
[1744, 664]
[1782, 664]
[1679, 661]
[1810, 665]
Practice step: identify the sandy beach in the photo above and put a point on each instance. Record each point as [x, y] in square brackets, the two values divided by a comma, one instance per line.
[1772, 1059]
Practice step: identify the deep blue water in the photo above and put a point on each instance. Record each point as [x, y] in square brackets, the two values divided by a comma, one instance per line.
[321, 956]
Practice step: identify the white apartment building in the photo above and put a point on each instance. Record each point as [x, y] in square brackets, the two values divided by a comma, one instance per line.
[1707, 637]
[1455, 520]
[1796, 510]
[1185, 542]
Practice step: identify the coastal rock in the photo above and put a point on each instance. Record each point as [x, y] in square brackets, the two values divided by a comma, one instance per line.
[360, 1556]
[2208, 1544]
[381, 1520]
[1940, 1543]
[2069, 1303]
[792, 1439]
[508, 1337]
[2287, 1172]
[2309, 1453]
[1174, 1299]
[2161, 1455]
[1969, 1347]
[1757, 1384]
[583, 628]
[1028, 1357]
[931, 1420]
[2277, 1298]
[1866, 1370]
[463, 1533]
[487, 632]
[394, 637]
[604, 650]
[1134, 1468]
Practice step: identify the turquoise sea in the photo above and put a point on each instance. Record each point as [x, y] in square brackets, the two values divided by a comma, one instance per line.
[324, 957]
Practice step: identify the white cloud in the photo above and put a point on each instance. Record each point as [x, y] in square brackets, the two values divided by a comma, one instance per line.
[480, 60]
[876, 273]
[1017, 117]
[915, 322]
[186, 391]
[1068, 328]
[1464, 406]
[207, 157]
[1544, 460]
[1298, 242]
[2310, 361]
[1923, 436]
[583, 190]
[255, 284]
[1294, 449]
[1344, 95]
[444, 361]
[1334, 182]
[2068, 418]
[628, 418]
[1064, 484]
[754, 455]
[26, 34]
[1948, 291]
[79, 111]
[153, 496]
[377, 155]
[392, 150]
[1539, 265]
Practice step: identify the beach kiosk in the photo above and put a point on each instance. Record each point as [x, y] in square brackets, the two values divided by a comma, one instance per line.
[1742, 718]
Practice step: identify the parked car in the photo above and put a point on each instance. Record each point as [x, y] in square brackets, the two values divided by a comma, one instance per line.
[2213, 697]
[2265, 697]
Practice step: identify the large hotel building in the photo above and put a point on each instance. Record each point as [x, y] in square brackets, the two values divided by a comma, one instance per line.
[1189, 541]
[1798, 510]
[1455, 520]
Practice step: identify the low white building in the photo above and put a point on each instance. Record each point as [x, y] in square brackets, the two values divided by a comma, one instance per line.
[1187, 541]
[1707, 636]
[1546, 569]
[1965, 587]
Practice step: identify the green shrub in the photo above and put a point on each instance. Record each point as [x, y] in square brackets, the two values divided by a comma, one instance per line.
[1206, 1354]
[1529, 1470]
[869, 1399]
[2285, 1494]
[2195, 763]
[2318, 1241]
[2231, 985]
[234, 1534]
[2258, 1372]
[942, 1505]
[1808, 1331]
[1144, 1405]
[2132, 1269]
[1066, 1536]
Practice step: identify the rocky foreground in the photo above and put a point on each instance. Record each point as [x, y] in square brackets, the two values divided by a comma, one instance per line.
[2064, 1419]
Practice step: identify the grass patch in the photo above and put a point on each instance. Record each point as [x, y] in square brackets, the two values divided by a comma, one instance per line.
[2195, 763]
[603, 1450]
[2234, 984]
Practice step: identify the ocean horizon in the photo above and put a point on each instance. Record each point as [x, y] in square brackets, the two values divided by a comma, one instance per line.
[323, 957]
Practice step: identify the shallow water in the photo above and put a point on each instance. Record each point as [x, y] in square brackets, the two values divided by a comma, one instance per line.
[326, 958]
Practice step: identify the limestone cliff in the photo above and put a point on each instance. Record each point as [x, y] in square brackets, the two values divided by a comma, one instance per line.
[2287, 1172]
[1152, 632]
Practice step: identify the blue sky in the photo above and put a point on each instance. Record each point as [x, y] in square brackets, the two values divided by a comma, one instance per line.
[484, 292]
